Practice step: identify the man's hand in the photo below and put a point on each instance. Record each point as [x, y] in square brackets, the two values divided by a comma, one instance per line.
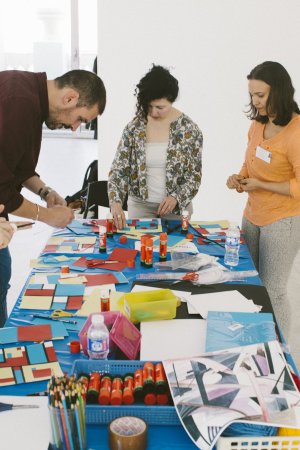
[57, 216]
[6, 231]
[167, 205]
[54, 199]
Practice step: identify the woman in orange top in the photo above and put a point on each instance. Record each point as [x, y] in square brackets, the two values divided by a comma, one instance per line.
[271, 177]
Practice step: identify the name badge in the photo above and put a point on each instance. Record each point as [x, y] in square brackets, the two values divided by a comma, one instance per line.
[263, 154]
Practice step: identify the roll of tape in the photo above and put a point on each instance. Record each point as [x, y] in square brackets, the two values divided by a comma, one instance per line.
[128, 433]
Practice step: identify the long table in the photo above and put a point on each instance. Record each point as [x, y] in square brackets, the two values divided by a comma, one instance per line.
[159, 437]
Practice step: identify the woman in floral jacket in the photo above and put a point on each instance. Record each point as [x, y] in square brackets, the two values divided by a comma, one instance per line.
[158, 161]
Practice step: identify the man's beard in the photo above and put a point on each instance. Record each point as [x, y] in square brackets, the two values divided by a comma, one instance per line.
[52, 125]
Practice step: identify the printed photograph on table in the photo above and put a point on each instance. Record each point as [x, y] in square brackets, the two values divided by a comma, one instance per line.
[54, 291]
[249, 384]
[25, 364]
[71, 244]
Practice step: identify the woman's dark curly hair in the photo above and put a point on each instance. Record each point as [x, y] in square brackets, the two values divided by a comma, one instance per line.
[156, 84]
[281, 101]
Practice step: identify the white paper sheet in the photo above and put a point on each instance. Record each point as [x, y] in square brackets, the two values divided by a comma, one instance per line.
[177, 337]
[232, 301]
[25, 428]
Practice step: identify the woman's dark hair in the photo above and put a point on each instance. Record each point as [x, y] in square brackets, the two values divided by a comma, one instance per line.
[281, 101]
[90, 87]
[156, 84]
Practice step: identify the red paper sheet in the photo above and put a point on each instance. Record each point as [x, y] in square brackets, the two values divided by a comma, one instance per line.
[123, 254]
[100, 278]
[74, 302]
[34, 333]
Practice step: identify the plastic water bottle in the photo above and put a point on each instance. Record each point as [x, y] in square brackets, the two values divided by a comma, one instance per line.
[98, 338]
[232, 245]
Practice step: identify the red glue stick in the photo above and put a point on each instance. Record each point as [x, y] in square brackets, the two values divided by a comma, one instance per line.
[109, 225]
[105, 390]
[105, 301]
[143, 250]
[149, 253]
[184, 221]
[163, 239]
[116, 391]
[128, 397]
[102, 239]
[138, 386]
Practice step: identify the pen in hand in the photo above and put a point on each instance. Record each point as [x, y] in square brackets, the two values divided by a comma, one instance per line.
[27, 224]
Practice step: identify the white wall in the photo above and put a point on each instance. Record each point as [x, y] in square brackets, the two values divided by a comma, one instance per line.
[210, 46]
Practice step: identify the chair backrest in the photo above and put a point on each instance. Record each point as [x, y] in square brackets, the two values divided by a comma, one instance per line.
[97, 196]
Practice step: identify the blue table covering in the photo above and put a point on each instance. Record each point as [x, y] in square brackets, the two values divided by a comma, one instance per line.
[159, 437]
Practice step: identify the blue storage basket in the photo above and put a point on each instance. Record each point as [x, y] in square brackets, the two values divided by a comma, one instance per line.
[153, 415]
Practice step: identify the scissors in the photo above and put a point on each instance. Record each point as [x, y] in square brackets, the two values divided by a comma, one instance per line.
[61, 313]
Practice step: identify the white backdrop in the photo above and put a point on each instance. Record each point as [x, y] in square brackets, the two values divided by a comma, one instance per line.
[210, 46]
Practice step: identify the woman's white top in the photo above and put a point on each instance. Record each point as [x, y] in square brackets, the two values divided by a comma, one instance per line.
[156, 157]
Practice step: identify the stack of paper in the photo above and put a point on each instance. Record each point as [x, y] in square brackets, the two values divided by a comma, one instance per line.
[176, 338]
[220, 301]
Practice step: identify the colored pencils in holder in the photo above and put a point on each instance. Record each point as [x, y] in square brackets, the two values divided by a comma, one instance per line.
[67, 412]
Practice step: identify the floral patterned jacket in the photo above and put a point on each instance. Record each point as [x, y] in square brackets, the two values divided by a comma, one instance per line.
[183, 164]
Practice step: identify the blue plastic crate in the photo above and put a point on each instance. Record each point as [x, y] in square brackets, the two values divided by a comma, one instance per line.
[153, 415]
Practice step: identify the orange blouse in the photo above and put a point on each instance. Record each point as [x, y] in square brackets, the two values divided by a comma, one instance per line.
[264, 207]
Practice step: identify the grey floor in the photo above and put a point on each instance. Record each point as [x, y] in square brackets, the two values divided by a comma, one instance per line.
[62, 165]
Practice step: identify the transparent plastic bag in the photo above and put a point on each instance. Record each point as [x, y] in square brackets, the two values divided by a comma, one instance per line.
[206, 276]
[184, 261]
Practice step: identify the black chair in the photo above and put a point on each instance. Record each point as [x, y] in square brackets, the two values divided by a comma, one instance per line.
[97, 196]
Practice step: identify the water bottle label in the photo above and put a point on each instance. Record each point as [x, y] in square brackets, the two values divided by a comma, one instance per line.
[98, 345]
[233, 241]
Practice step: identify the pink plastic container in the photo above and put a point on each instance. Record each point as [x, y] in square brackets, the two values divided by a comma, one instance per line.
[123, 333]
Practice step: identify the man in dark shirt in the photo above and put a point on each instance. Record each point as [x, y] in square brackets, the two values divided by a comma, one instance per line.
[26, 101]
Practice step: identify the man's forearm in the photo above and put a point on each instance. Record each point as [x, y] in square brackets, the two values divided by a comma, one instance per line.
[34, 184]
[31, 211]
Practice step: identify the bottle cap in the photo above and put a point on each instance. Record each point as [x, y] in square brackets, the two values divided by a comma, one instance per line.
[189, 236]
[74, 347]
[149, 242]
[162, 399]
[163, 236]
[123, 239]
[131, 263]
[150, 399]
[97, 318]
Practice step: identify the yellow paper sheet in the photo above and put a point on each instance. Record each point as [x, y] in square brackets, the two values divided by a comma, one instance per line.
[36, 302]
